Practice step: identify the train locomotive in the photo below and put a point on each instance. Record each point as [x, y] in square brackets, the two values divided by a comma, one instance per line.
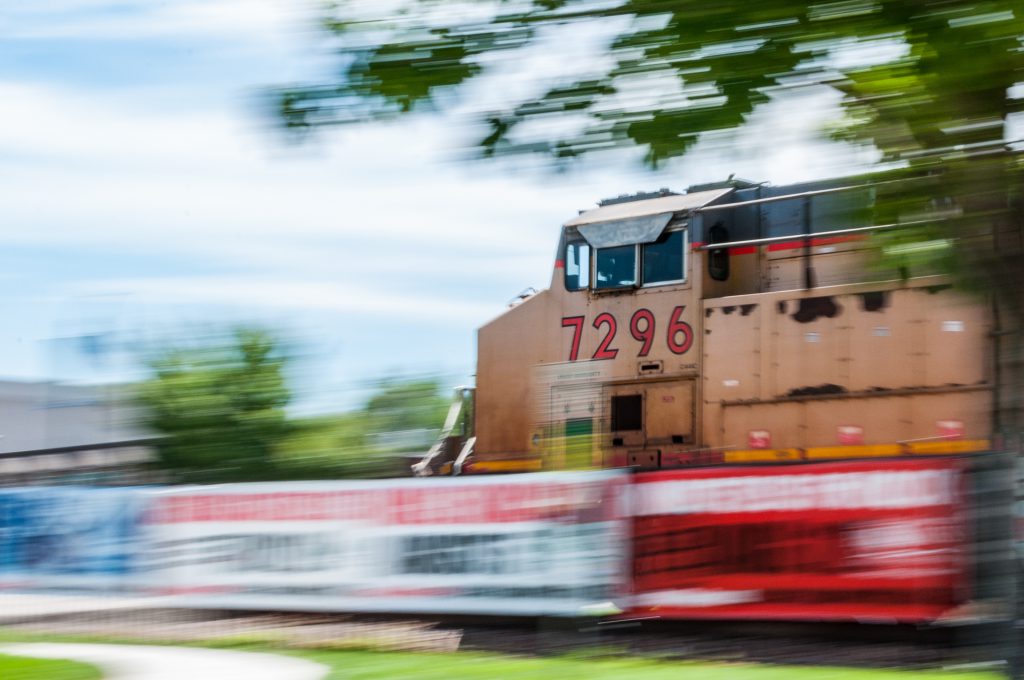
[731, 323]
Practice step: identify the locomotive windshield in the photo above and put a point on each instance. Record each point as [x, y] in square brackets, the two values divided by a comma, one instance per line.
[659, 262]
[616, 267]
[663, 259]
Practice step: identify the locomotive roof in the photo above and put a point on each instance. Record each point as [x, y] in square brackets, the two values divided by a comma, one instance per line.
[665, 205]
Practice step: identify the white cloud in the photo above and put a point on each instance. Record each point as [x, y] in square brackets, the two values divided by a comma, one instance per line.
[140, 19]
[372, 208]
[255, 293]
[366, 222]
[114, 177]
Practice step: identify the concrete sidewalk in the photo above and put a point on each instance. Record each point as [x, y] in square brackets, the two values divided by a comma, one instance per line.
[21, 606]
[141, 662]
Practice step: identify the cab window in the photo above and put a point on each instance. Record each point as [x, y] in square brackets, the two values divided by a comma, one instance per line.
[616, 267]
[664, 260]
[577, 265]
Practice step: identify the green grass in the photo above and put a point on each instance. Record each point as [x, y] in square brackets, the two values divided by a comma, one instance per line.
[467, 666]
[24, 668]
[381, 665]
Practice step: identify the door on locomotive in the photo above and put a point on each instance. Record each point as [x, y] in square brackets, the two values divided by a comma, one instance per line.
[648, 421]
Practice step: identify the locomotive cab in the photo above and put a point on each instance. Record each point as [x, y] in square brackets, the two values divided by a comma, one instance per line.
[734, 322]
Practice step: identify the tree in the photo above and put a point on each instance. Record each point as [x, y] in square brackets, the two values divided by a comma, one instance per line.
[930, 83]
[402, 417]
[407, 406]
[918, 74]
[219, 407]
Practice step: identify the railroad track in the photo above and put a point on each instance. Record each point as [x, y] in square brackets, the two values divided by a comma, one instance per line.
[842, 644]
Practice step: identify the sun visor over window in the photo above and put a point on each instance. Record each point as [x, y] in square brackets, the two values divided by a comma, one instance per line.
[643, 221]
[625, 232]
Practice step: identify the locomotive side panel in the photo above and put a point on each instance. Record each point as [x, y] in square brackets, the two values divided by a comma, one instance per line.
[507, 350]
[810, 344]
[886, 334]
[872, 366]
[955, 337]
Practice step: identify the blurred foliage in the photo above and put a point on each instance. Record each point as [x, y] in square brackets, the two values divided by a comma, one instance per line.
[218, 405]
[402, 417]
[669, 70]
[406, 406]
[929, 83]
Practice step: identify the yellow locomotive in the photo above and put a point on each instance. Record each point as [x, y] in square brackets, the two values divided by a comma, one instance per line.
[732, 323]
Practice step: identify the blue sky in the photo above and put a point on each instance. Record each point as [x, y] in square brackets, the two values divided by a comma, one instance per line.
[146, 193]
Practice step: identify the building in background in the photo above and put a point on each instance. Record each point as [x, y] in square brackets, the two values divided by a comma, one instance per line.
[53, 433]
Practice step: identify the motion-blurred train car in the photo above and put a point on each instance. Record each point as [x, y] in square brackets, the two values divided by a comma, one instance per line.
[732, 323]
